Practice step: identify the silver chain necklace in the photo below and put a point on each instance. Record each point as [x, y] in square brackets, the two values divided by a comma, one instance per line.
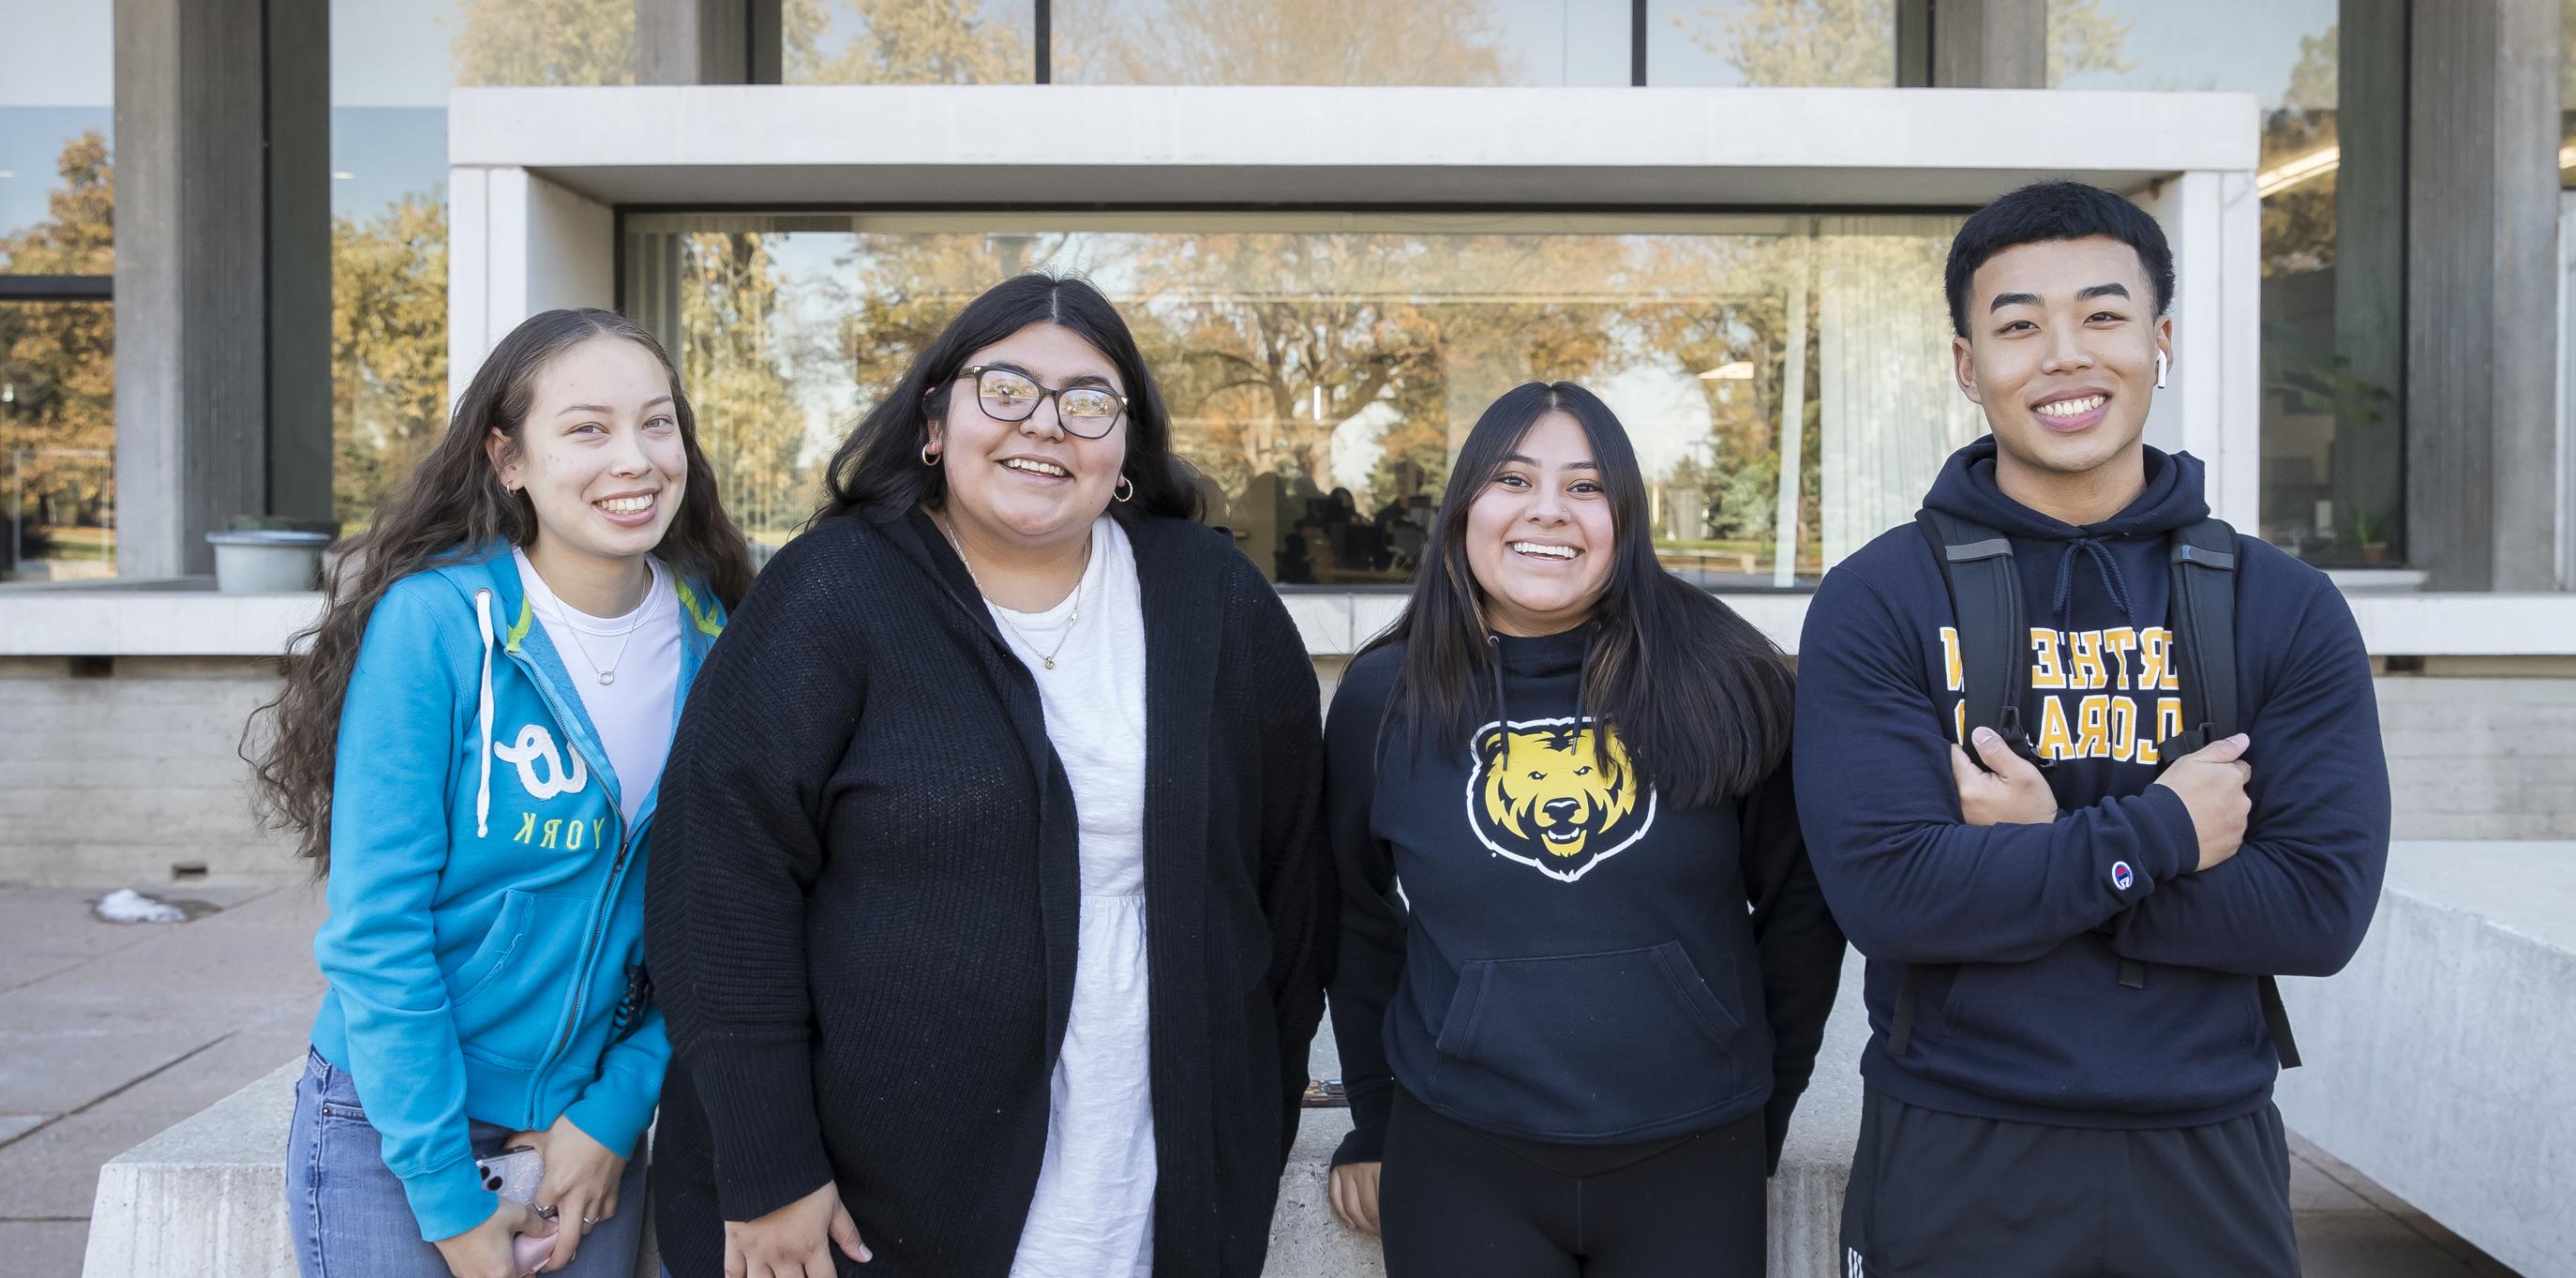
[608, 673]
[1003, 614]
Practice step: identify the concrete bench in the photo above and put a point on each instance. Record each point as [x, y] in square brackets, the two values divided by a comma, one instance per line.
[206, 1199]
[2437, 1063]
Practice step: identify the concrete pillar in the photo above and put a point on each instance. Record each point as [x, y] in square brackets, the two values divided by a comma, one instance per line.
[2482, 315]
[1990, 44]
[217, 411]
[707, 41]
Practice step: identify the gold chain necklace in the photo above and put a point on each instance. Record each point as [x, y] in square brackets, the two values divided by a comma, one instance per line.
[1002, 614]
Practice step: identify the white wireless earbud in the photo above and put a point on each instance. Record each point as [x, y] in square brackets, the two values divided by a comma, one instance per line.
[2161, 367]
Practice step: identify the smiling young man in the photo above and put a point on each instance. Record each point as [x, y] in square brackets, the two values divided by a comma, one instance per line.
[2071, 1059]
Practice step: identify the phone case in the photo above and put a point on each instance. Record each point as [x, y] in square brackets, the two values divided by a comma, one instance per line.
[515, 1175]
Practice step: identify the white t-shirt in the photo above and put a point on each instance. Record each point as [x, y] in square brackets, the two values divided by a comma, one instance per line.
[1093, 1213]
[634, 712]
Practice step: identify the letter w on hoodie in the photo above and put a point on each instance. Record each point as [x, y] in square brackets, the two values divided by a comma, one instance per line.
[2021, 929]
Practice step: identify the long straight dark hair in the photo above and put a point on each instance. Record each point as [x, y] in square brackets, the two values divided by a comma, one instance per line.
[454, 505]
[878, 469]
[1701, 698]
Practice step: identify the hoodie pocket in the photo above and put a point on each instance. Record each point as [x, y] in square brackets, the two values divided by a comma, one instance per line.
[510, 995]
[1586, 1046]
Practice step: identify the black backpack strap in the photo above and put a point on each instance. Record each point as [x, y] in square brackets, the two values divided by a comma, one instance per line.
[1994, 636]
[1977, 566]
[2203, 614]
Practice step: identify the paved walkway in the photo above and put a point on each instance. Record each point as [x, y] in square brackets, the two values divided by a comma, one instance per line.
[110, 1033]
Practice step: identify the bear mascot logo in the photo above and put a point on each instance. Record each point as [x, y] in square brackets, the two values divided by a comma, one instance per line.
[1556, 795]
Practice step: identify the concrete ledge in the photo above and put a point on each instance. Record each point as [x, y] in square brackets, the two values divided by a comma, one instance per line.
[2437, 1062]
[206, 1199]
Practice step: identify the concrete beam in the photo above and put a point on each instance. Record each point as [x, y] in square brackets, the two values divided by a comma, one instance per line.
[1990, 44]
[218, 412]
[707, 41]
[2482, 316]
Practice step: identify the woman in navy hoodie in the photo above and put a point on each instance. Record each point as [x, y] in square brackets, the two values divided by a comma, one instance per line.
[1573, 1035]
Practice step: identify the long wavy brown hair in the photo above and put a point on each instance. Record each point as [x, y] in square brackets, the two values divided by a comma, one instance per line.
[453, 507]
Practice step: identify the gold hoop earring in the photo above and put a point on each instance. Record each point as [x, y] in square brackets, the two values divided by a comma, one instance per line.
[1124, 483]
[928, 458]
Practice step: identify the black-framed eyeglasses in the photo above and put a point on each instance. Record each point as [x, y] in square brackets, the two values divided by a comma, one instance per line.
[1009, 395]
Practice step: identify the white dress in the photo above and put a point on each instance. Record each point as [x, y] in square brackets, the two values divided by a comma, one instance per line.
[1093, 1213]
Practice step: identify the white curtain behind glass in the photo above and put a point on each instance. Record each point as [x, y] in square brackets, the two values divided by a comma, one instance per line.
[1891, 409]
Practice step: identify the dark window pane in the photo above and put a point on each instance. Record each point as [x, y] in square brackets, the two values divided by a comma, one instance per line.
[2331, 181]
[1724, 43]
[57, 440]
[1341, 42]
[57, 120]
[1321, 370]
[910, 41]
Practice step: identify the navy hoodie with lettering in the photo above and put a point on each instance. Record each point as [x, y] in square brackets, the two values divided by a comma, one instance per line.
[1537, 944]
[2019, 931]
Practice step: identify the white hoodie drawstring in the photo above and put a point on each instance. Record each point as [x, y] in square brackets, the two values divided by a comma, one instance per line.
[483, 793]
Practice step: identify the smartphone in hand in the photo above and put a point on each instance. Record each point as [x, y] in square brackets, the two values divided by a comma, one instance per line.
[514, 1174]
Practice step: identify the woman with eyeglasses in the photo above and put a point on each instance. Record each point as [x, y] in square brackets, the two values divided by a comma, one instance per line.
[990, 914]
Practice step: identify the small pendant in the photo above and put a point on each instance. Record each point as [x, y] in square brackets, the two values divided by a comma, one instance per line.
[1050, 662]
[608, 676]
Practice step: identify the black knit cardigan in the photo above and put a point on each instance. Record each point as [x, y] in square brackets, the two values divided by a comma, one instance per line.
[863, 894]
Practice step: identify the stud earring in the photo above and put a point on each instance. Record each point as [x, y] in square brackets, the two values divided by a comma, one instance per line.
[2162, 365]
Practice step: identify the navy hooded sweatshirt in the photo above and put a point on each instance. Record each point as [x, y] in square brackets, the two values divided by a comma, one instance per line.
[2020, 930]
[1570, 959]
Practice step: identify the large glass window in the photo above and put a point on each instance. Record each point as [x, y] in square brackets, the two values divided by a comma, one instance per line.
[1341, 42]
[57, 119]
[2332, 185]
[1725, 43]
[58, 262]
[1322, 370]
[910, 41]
[392, 64]
[57, 440]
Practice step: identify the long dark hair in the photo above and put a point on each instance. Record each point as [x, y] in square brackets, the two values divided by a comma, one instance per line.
[453, 506]
[1701, 697]
[878, 468]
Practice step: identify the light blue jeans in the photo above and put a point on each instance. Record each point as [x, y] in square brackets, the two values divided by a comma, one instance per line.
[347, 1210]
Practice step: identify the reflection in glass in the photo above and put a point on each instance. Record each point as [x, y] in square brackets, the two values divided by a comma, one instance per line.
[1785, 379]
[57, 119]
[910, 41]
[57, 440]
[1341, 42]
[2331, 181]
[1726, 43]
[392, 65]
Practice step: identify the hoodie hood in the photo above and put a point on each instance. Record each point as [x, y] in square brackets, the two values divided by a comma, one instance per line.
[2172, 498]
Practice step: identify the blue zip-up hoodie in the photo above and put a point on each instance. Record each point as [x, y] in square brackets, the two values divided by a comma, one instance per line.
[486, 935]
[2020, 930]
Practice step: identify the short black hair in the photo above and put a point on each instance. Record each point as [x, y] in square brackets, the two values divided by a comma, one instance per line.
[2046, 211]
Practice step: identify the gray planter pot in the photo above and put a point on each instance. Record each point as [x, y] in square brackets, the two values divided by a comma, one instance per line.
[267, 561]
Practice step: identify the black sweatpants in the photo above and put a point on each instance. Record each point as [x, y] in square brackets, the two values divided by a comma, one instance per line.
[1454, 1200]
[1934, 1195]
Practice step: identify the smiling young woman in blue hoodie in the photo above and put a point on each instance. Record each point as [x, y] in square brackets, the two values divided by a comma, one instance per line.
[1584, 967]
[468, 747]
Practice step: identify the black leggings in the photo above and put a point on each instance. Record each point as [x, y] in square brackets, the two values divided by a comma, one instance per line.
[1454, 1200]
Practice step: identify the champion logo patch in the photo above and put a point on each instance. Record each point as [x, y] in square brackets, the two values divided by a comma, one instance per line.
[2121, 878]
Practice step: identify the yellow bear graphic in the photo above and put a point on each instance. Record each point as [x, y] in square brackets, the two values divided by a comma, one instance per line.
[1555, 795]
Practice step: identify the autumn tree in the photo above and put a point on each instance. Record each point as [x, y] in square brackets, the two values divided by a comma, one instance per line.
[57, 366]
[388, 348]
[735, 360]
[903, 42]
[535, 42]
[1419, 42]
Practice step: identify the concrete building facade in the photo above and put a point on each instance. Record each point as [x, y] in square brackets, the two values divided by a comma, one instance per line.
[249, 248]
